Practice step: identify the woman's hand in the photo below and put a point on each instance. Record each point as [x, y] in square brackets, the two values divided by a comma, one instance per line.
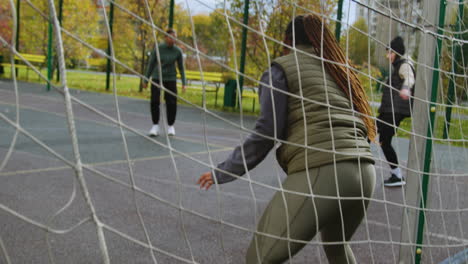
[405, 94]
[206, 180]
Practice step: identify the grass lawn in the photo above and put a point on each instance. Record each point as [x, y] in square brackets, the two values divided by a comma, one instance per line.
[129, 86]
[458, 129]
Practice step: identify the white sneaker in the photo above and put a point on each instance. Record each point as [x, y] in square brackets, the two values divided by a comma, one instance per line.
[154, 131]
[171, 131]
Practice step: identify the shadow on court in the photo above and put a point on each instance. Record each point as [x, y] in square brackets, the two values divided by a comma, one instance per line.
[143, 189]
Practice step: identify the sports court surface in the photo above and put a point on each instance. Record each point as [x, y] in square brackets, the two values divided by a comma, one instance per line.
[39, 190]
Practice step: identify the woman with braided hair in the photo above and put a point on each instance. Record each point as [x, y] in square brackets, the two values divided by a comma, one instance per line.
[318, 110]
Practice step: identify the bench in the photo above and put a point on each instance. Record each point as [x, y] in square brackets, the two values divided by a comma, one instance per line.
[251, 94]
[215, 78]
[96, 62]
[32, 58]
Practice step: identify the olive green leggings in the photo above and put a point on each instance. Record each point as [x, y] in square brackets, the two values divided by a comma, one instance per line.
[306, 216]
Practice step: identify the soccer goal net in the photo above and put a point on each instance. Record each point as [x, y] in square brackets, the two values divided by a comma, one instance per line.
[82, 181]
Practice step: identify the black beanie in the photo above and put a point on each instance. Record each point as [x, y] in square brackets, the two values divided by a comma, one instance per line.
[397, 45]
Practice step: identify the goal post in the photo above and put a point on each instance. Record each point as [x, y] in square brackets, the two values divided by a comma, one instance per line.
[140, 192]
[420, 148]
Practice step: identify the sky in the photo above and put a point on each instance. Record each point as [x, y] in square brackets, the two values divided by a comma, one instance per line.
[206, 6]
[199, 6]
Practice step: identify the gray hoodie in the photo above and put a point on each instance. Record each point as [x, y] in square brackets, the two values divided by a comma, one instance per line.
[273, 104]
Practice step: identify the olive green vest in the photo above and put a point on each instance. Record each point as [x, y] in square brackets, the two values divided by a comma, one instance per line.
[332, 131]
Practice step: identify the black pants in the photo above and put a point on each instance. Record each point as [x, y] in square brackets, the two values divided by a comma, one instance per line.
[170, 99]
[386, 133]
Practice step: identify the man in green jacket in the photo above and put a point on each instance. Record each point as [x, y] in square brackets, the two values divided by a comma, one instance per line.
[165, 58]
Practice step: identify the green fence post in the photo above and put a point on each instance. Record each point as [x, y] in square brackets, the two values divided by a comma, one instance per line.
[338, 21]
[243, 45]
[18, 6]
[171, 14]
[60, 23]
[49, 55]
[108, 68]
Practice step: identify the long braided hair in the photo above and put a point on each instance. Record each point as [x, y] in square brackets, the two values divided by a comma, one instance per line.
[310, 30]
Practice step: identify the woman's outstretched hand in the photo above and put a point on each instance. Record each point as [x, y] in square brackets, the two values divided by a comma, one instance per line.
[206, 180]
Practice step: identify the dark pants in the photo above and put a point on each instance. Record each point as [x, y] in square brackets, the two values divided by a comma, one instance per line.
[300, 216]
[386, 133]
[170, 99]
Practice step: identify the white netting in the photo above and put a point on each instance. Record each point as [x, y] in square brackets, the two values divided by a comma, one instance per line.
[82, 181]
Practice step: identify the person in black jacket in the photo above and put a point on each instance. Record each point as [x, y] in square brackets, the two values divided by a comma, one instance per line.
[396, 106]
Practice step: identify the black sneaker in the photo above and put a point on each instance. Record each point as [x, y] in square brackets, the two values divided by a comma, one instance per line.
[394, 181]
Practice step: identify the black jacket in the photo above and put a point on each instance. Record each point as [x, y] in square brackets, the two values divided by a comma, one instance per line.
[391, 100]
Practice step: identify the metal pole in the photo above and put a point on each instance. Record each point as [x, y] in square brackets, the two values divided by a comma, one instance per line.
[171, 14]
[49, 55]
[18, 6]
[243, 45]
[451, 89]
[430, 129]
[57, 78]
[108, 68]
[142, 65]
[17, 24]
[338, 21]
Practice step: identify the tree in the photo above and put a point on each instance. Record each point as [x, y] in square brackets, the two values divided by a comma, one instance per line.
[203, 32]
[79, 17]
[355, 42]
[272, 16]
[6, 31]
[462, 61]
[213, 39]
[33, 28]
[133, 38]
[220, 41]
[451, 59]
[6, 25]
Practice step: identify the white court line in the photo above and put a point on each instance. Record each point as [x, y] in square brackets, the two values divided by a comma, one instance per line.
[108, 124]
[191, 186]
[114, 162]
[372, 222]
[127, 112]
[436, 235]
